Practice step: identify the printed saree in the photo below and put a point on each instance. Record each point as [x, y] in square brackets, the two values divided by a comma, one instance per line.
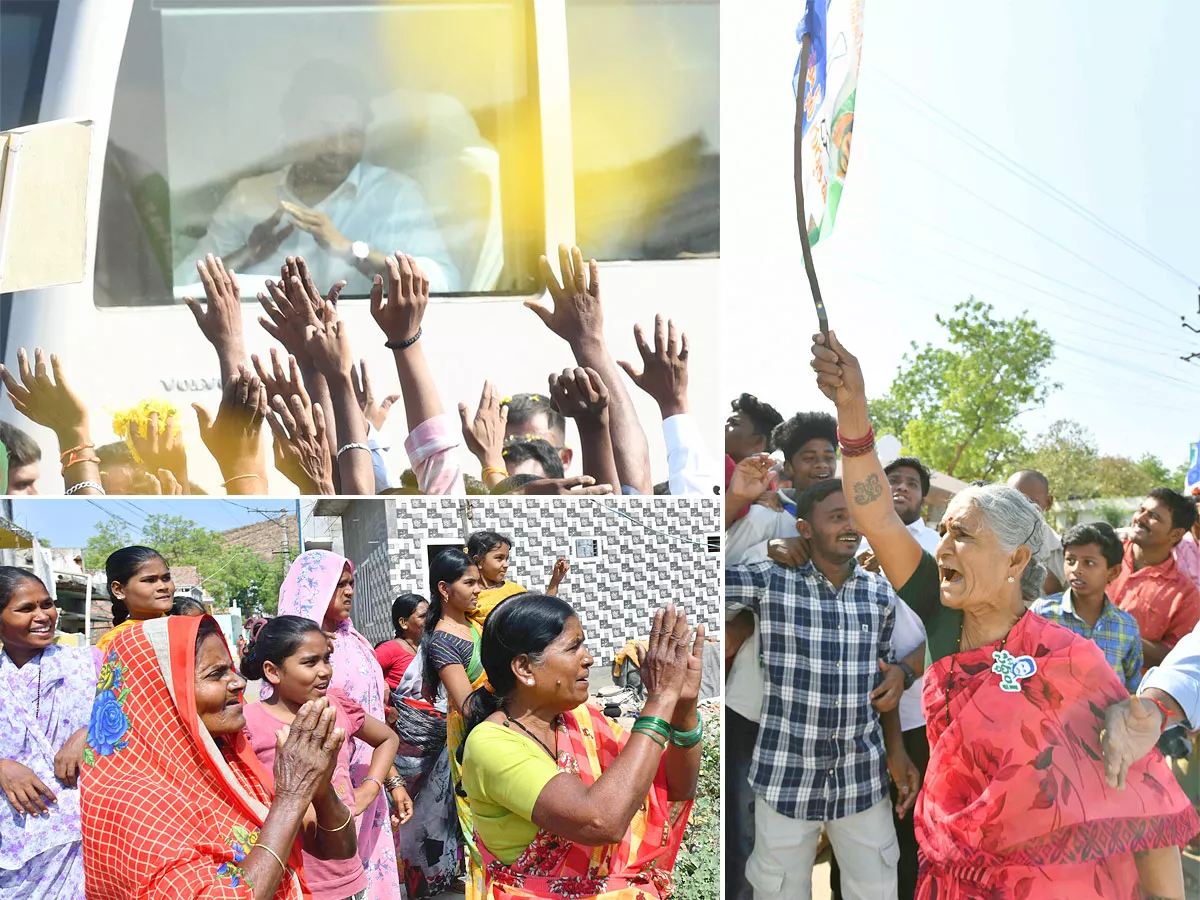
[167, 810]
[455, 735]
[638, 868]
[1015, 804]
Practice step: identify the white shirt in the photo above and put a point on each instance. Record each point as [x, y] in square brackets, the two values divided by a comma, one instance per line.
[746, 539]
[386, 477]
[691, 471]
[1179, 676]
[376, 205]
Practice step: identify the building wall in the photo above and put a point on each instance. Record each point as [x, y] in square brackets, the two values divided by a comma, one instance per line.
[653, 551]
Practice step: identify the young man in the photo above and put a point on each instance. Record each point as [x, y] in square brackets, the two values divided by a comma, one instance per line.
[747, 432]
[1036, 486]
[534, 457]
[1092, 557]
[1151, 587]
[820, 756]
[23, 457]
[531, 417]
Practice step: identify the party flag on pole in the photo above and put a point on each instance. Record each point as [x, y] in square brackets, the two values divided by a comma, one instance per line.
[834, 28]
[1191, 484]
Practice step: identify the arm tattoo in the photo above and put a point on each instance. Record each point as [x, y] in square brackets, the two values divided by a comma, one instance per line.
[867, 491]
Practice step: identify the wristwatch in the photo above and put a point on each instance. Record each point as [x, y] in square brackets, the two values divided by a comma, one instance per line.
[360, 249]
[909, 675]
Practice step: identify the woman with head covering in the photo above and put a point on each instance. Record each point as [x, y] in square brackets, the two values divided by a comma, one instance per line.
[1015, 801]
[174, 802]
[565, 802]
[48, 692]
[320, 587]
[140, 584]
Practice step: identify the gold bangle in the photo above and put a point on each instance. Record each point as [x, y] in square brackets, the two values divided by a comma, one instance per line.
[489, 470]
[349, 819]
[237, 478]
[274, 854]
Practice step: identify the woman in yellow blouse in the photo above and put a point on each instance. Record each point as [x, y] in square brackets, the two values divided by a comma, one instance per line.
[140, 584]
[490, 552]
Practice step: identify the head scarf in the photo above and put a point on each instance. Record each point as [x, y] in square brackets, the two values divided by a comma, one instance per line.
[167, 809]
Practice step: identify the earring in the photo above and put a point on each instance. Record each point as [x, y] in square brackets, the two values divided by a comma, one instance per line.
[1011, 579]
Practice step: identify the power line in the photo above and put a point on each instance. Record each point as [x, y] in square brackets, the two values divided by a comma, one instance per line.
[113, 515]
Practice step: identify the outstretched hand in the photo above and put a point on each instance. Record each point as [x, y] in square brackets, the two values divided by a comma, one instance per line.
[293, 304]
[301, 449]
[46, 401]
[375, 410]
[576, 315]
[579, 484]
[220, 319]
[161, 449]
[484, 433]
[580, 394]
[664, 374]
[234, 435]
[400, 312]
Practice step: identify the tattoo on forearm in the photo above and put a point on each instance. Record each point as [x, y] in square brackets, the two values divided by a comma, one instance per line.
[867, 491]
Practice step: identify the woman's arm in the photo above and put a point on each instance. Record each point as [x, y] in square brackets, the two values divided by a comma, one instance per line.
[386, 744]
[1160, 873]
[458, 685]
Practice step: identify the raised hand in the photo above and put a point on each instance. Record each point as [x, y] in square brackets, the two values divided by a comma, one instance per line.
[301, 450]
[665, 665]
[1131, 729]
[581, 395]
[328, 344]
[164, 483]
[751, 478]
[664, 374]
[293, 304]
[576, 315]
[44, 400]
[484, 433]
[839, 375]
[374, 410]
[265, 238]
[161, 449]
[886, 697]
[690, 692]
[400, 312]
[220, 320]
[562, 566]
[234, 435]
[555, 487]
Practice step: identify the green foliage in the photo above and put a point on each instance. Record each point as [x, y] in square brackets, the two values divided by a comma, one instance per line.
[230, 572]
[956, 406]
[1113, 515]
[698, 867]
[1066, 454]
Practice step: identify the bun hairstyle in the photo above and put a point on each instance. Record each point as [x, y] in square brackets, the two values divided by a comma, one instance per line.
[447, 567]
[403, 607]
[275, 641]
[12, 578]
[120, 568]
[521, 625]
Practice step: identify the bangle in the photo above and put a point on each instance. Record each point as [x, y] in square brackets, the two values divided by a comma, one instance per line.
[236, 478]
[1168, 714]
[88, 446]
[390, 784]
[688, 739]
[76, 460]
[354, 446]
[349, 819]
[376, 780]
[274, 854]
[83, 485]
[404, 344]
[491, 470]
[658, 739]
[857, 446]
[654, 724]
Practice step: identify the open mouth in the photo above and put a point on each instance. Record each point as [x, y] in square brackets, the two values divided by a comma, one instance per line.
[849, 538]
[41, 629]
[236, 701]
[322, 687]
[949, 575]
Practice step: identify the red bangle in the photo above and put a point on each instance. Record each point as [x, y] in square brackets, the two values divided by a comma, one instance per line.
[1167, 713]
[857, 446]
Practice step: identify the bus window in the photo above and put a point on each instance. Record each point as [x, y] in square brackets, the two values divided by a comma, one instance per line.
[645, 110]
[273, 128]
[26, 27]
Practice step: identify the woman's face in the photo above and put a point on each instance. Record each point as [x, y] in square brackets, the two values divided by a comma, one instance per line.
[149, 593]
[414, 625]
[343, 597]
[218, 688]
[462, 594]
[560, 680]
[304, 675]
[27, 622]
[972, 562]
[494, 564]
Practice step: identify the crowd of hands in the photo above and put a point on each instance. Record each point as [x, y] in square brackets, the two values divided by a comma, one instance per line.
[316, 398]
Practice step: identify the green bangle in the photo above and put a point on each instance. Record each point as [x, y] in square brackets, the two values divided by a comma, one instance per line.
[662, 726]
[651, 728]
[654, 736]
[688, 739]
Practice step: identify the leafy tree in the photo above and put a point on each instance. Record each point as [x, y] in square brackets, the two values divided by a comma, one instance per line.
[1066, 454]
[956, 406]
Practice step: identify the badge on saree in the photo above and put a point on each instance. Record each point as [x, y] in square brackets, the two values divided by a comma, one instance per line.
[1012, 669]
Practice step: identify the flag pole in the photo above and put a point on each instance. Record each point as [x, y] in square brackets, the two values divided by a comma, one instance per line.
[798, 170]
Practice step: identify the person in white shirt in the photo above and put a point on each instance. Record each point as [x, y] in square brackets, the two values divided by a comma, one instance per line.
[342, 213]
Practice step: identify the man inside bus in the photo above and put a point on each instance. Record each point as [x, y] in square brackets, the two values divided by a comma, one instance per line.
[343, 214]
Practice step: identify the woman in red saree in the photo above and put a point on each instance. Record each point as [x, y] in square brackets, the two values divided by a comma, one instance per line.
[1015, 804]
[564, 802]
[174, 801]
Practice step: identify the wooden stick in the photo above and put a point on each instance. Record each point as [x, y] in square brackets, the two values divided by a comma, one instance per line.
[798, 170]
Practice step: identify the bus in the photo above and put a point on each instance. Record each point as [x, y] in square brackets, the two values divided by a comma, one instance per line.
[508, 127]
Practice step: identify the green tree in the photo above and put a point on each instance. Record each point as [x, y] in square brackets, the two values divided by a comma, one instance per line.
[1066, 454]
[956, 406]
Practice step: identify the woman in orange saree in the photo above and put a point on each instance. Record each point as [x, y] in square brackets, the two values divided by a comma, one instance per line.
[565, 803]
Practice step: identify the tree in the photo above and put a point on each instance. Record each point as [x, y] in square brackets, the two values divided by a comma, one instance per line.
[1066, 454]
[956, 407]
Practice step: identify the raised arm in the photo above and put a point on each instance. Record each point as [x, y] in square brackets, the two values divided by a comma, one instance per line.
[400, 314]
[220, 320]
[234, 436]
[580, 394]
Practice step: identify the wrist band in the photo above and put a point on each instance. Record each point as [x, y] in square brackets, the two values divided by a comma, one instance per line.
[490, 470]
[653, 724]
[82, 486]
[658, 739]
[354, 446]
[349, 819]
[274, 854]
[76, 460]
[236, 478]
[688, 739]
[1167, 713]
[88, 446]
[406, 343]
[857, 446]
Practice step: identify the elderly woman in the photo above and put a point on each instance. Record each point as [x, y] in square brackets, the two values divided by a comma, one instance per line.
[1015, 802]
[565, 802]
[48, 692]
[174, 801]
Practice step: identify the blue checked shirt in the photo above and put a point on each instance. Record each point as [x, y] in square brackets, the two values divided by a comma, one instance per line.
[1116, 633]
[819, 754]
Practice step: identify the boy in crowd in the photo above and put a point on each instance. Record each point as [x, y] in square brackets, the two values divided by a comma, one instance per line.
[747, 432]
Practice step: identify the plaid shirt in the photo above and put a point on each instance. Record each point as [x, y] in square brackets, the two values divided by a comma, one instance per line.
[819, 754]
[1116, 633]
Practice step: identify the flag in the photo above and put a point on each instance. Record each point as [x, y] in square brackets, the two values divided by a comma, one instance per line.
[827, 124]
[1191, 484]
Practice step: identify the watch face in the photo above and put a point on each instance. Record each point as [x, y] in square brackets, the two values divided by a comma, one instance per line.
[360, 249]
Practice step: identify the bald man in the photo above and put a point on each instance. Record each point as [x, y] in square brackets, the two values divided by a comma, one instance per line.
[1036, 486]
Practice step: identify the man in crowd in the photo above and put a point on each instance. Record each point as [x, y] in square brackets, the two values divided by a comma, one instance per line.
[748, 430]
[820, 757]
[1151, 586]
[533, 457]
[23, 457]
[1034, 485]
[1092, 557]
[1187, 551]
[531, 417]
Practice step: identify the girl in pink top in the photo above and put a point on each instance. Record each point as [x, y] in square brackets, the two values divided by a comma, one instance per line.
[292, 655]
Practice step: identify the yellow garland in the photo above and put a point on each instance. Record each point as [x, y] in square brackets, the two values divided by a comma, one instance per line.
[140, 416]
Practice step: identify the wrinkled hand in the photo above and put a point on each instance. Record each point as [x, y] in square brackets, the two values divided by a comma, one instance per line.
[306, 751]
[1131, 729]
[25, 791]
[328, 343]
[293, 304]
[664, 374]
[234, 436]
[907, 778]
[770, 499]
[402, 807]
[374, 410]
[401, 311]
[321, 228]
[751, 478]
[162, 447]
[580, 394]
[576, 315]
[886, 697]
[301, 451]
[267, 237]
[666, 665]
[790, 552]
[69, 758]
[220, 320]
[839, 375]
[484, 434]
[44, 400]
[574, 486]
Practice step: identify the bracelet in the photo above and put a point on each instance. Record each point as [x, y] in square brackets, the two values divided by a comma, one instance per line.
[858, 446]
[390, 784]
[685, 740]
[1167, 713]
[491, 470]
[236, 478]
[404, 344]
[88, 446]
[376, 780]
[658, 739]
[349, 819]
[654, 724]
[355, 446]
[76, 460]
[274, 854]
[83, 485]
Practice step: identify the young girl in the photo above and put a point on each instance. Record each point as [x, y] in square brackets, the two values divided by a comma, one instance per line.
[396, 655]
[292, 655]
[490, 551]
[141, 588]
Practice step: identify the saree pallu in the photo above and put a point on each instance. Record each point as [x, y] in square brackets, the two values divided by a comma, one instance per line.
[455, 735]
[638, 868]
[1015, 803]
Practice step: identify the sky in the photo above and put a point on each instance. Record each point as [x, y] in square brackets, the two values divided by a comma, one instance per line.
[1099, 104]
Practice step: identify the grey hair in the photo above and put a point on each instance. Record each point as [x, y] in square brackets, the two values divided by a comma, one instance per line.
[1017, 522]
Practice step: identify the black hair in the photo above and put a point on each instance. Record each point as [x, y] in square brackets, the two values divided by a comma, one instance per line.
[662, 488]
[121, 566]
[447, 567]
[980, 483]
[11, 578]
[523, 408]
[183, 603]
[403, 607]
[815, 493]
[1101, 534]
[911, 462]
[115, 454]
[1183, 511]
[208, 627]
[541, 452]
[275, 641]
[515, 482]
[801, 428]
[521, 625]
[22, 449]
[763, 417]
[481, 543]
